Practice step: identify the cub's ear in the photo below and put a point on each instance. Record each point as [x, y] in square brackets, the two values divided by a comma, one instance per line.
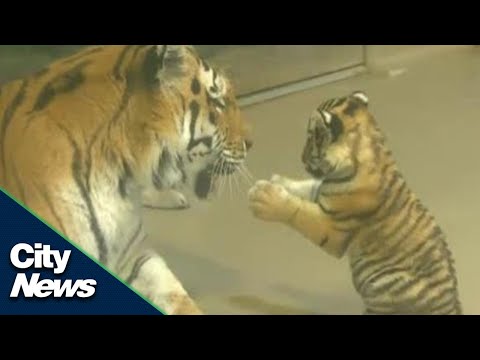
[362, 96]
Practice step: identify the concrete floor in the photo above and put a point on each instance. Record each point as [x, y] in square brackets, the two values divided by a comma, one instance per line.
[234, 264]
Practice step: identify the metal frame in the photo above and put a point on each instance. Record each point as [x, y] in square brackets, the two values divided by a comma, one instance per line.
[302, 85]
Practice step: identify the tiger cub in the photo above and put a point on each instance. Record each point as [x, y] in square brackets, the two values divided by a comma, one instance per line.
[94, 138]
[359, 204]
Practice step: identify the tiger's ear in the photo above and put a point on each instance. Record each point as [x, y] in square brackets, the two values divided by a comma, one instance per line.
[171, 57]
[164, 62]
[362, 96]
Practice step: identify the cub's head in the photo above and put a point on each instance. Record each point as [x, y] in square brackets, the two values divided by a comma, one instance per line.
[213, 138]
[334, 136]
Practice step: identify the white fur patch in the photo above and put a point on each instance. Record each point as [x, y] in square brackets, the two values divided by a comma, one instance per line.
[362, 97]
[158, 281]
[327, 117]
[209, 81]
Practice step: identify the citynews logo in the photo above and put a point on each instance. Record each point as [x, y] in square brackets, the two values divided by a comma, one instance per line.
[42, 257]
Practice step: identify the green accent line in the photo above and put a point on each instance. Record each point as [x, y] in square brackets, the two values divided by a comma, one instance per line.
[81, 250]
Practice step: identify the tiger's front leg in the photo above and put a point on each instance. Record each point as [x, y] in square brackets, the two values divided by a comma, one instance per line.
[272, 202]
[149, 274]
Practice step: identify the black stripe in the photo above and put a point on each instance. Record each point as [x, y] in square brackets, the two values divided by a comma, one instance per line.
[390, 209]
[194, 112]
[444, 308]
[416, 224]
[136, 268]
[351, 108]
[82, 54]
[166, 162]
[384, 272]
[128, 91]
[215, 102]
[161, 56]
[315, 191]
[437, 266]
[195, 87]
[212, 118]
[89, 155]
[124, 178]
[419, 248]
[61, 84]
[42, 72]
[403, 221]
[432, 303]
[207, 141]
[151, 67]
[336, 128]
[325, 105]
[406, 254]
[117, 69]
[206, 67]
[385, 288]
[348, 240]
[394, 201]
[214, 89]
[77, 176]
[18, 182]
[427, 263]
[323, 242]
[434, 285]
[377, 149]
[343, 178]
[132, 241]
[7, 118]
[44, 193]
[385, 260]
[181, 167]
[349, 176]
[325, 210]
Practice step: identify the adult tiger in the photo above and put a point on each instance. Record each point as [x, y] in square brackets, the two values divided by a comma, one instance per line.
[359, 204]
[83, 141]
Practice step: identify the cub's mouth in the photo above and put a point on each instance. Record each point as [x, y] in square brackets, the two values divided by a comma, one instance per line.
[320, 171]
[207, 179]
[316, 173]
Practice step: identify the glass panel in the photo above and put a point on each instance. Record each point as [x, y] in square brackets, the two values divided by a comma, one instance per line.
[253, 67]
[260, 67]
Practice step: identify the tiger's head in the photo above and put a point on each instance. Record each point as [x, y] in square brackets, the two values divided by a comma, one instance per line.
[212, 136]
[334, 136]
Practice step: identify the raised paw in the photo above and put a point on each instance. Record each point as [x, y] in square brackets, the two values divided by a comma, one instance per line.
[282, 180]
[278, 179]
[270, 202]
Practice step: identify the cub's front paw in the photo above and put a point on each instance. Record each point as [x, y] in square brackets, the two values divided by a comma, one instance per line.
[270, 202]
[278, 179]
[287, 183]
